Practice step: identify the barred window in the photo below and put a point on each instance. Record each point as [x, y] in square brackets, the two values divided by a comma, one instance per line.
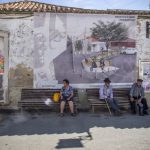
[147, 29]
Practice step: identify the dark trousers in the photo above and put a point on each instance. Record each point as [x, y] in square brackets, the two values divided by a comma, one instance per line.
[142, 107]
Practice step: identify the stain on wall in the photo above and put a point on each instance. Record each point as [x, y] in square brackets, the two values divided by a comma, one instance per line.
[143, 43]
[20, 57]
[21, 75]
[14, 97]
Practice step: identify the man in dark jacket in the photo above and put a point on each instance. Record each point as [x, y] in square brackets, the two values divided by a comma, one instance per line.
[137, 98]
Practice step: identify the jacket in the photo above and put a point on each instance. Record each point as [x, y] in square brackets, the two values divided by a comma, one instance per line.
[137, 91]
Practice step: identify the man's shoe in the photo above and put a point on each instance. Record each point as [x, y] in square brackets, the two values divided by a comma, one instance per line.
[133, 112]
[117, 113]
[141, 112]
[73, 114]
[145, 113]
[61, 114]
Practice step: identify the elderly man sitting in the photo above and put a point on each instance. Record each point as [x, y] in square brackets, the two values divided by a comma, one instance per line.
[106, 94]
[137, 98]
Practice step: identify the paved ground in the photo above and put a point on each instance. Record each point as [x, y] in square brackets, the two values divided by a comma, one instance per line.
[86, 132]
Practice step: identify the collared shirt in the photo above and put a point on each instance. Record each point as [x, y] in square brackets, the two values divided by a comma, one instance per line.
[137, 91]
[106, 92]
[66, 92]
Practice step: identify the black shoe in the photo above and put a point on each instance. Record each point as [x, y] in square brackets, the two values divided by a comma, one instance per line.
[117, 113]
[133, 112]
[73, 114]
[120, 112]
[141, 112]
[145, 113]
[61, 114]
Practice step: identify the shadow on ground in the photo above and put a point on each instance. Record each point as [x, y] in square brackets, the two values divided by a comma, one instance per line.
[50, 123]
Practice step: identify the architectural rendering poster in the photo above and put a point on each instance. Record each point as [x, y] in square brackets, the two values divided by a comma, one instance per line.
[84, 48]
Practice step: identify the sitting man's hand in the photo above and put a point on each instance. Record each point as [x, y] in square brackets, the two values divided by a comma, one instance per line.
[132, 99]
[106, 97]
[139, 101]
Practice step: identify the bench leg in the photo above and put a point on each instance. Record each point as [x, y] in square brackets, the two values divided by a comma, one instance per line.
[75, 109]
[93, 109]
[21, 109]
[56, 108]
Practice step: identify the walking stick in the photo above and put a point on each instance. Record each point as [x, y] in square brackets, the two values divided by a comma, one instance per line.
[108, 107]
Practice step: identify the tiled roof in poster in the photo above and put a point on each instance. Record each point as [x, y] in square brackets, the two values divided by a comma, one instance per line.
[32, 6]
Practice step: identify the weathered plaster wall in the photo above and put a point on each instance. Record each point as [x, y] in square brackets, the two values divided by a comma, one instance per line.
[143, 46]
[20, 55]
[143, 43]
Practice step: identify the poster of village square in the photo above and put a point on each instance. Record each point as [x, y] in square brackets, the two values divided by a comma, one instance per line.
[84, 48]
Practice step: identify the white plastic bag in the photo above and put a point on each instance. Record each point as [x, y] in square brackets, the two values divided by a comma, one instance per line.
[48, 102]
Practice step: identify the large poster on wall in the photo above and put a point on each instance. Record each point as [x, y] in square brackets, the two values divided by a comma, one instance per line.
[84, 48]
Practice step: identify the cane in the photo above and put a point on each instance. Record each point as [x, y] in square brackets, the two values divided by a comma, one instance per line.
[108, 107]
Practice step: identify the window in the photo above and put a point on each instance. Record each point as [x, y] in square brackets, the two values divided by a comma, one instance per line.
[3, 66]
[147, 29]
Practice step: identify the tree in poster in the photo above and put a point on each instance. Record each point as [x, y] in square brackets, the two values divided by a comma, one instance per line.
[109, 31]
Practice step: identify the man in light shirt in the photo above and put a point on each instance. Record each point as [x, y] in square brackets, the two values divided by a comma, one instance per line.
[106, 93]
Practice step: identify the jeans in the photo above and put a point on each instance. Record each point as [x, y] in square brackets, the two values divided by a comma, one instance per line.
[112, 103]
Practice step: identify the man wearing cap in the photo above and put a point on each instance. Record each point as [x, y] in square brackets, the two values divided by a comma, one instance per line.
[137, 98]
[106, 93]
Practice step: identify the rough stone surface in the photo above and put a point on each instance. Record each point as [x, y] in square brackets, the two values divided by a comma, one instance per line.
[85, 132]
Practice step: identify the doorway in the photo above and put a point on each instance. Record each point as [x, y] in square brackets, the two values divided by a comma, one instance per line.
[3, 66]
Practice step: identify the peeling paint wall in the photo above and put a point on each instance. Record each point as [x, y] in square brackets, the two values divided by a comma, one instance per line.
[143, 46]
[20, 56]
[21, 45]
[143, 43]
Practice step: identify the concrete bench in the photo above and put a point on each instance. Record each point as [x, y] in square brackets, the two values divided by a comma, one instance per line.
[35, 99]
[121, 95]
